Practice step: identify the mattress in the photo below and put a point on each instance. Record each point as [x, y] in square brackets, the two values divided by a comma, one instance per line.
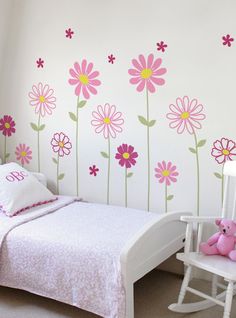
[70, 251]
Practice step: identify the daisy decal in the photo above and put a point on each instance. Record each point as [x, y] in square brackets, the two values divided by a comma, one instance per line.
[186, 115]
[222, 151]
[166, 173]
[108, 121]
[147, 74]
[85, 79]
[126, 157]
[7, 127]
[61, 145]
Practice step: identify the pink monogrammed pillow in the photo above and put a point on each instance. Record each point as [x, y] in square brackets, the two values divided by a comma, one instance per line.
[20, 190]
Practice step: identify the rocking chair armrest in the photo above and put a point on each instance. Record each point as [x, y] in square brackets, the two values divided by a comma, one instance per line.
[198, 219]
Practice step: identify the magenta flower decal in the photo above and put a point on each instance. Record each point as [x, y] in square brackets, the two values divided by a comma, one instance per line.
[146, 74]
[227, 40]
[93, 170]
[186, 115]
[40, 63]
[62, 146]
[161, 46]
[108, 121]
[69, 33]
[23, 154]
[111, 59]
[42, 98]
[7, 127]
[223, 150]
[85, 80]
[166, 173]
[127, 158]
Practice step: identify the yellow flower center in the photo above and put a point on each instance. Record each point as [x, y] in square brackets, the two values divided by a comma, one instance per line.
[61, 144]
[83, 79]
[7, 125]
[41, 99]
[23, 153]
[126, 155]
[146, 73]
[185, 115]
[165, 173]
[225, 152]
[107, 120]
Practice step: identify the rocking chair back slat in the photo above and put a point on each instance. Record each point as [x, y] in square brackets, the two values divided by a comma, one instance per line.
[225, 198]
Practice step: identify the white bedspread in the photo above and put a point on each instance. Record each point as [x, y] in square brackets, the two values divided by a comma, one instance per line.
[70, 251]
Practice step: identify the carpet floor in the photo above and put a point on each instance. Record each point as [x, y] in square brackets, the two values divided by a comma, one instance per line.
[153, 294]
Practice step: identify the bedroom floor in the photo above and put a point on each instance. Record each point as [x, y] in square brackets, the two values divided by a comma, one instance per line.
[153, 294]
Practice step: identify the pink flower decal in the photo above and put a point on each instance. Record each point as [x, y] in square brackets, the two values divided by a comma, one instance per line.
[146, 73]
[107, 120]
[223, 150]
[166, 172]
[69, 33]
[227, 40]
[7, 126]
[126, 155]
[186, 115]
[161, 46]
[40, 62]
[61, 144]
[93, 170]
[41, 97]
[84, 78]
[23, 154]
[111, 59]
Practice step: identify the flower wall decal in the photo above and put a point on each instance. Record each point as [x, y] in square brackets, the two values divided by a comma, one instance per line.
[23, 154]
[62, 146]
[85, 80]
[223, 150]
[43, 100]
[127, 158]
[186, 115]
[166, 173]
[146, 74]
[7, 127]
[107, 121]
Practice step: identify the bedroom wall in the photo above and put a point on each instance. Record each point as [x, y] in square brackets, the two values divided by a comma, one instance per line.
[43, 42]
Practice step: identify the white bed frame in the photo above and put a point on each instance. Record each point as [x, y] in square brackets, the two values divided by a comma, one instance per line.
[149, 248]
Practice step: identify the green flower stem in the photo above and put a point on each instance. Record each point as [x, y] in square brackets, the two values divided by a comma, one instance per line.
[222, 184]
[77, 148]
[58, 173]
[5, 150]
[38, 144]
[148, 153]
[165, 197]
[198, 175]
[108, 170]
[126, 201]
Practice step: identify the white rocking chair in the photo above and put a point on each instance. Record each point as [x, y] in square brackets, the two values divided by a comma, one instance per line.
[215, 264]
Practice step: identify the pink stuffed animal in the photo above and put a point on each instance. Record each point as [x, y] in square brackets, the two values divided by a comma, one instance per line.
[222, 242]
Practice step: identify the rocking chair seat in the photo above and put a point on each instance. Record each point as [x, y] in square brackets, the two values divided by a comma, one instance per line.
[217, 264]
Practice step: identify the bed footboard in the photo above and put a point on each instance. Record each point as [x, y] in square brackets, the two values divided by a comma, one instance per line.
[151, 246]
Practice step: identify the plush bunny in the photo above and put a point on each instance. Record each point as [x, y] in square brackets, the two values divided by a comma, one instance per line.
[222, 242]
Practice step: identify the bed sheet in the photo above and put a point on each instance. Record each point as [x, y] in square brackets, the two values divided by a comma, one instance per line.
[71, 253]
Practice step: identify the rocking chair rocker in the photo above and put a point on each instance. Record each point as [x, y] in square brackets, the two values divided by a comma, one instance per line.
[217, 265]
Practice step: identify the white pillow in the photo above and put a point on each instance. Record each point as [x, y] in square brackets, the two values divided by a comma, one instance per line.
[20, 190]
